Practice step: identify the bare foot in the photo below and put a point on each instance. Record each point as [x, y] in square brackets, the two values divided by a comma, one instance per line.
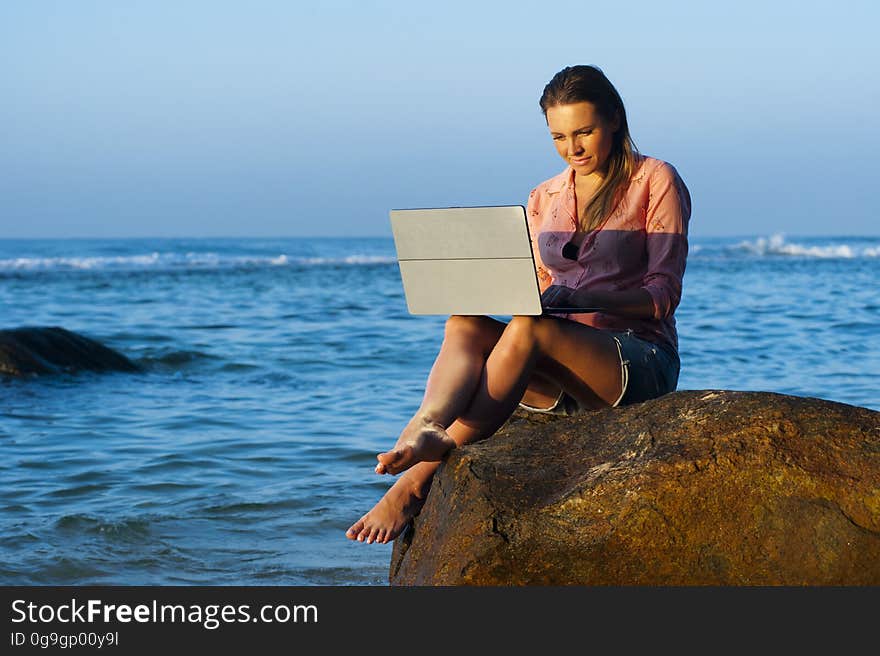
[390, 516]
[421, 441]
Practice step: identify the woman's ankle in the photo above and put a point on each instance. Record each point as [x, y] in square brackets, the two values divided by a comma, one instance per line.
[427, 417]
[417, 480]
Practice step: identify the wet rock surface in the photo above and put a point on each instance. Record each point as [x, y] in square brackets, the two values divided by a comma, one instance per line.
[49, 350]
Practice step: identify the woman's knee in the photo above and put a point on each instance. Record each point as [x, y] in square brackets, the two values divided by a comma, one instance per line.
[540, 335]
[469, 322]
[519, 336]
[529, 329]
[473, 327]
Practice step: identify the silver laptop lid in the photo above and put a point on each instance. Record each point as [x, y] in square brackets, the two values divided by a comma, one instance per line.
[466, 260]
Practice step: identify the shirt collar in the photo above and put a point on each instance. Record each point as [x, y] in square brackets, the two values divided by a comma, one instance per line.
[561, 181]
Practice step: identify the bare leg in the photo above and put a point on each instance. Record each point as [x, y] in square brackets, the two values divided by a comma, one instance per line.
[541, 392]
[480, 376]
[451, 385]
[397, 507]
[581, 360]
[403, 500]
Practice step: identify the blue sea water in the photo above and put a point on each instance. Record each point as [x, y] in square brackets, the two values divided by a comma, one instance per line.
[273, 371]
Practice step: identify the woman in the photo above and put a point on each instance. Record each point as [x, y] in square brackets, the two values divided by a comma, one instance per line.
[609, 232]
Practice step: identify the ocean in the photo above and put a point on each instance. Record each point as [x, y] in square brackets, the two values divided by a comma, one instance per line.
[273, 371]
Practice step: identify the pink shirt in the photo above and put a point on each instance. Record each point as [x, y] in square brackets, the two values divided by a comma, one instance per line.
[641, 245]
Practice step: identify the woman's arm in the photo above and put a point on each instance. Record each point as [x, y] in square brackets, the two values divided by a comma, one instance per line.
[632, 303]
[666, 227]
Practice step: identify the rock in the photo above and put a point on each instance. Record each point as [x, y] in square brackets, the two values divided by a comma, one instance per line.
[693, 488]
[47, 350]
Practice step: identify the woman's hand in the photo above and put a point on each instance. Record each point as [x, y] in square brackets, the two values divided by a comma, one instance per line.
[633, 303]
[561, 296]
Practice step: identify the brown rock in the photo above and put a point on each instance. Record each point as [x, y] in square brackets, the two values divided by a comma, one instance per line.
[693, 488]
[39, 350]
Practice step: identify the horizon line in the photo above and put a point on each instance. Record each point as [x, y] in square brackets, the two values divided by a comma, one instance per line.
[783, 233]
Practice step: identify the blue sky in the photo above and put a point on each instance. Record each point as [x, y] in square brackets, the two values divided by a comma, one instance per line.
[125, 119]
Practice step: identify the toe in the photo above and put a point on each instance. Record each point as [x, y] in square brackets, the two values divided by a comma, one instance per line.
[399, 466]
[355, 529]
[388, 457]
[403, 458]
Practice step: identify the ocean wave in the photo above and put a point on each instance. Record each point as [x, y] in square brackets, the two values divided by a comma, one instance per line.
[184, 261]
[776, 245]
[351, 259]
[125, 528]
[174, 358]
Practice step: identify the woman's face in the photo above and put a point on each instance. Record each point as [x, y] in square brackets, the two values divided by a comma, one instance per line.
[581, 136]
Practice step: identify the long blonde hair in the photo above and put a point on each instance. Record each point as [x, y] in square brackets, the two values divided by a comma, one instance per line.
[574, 84]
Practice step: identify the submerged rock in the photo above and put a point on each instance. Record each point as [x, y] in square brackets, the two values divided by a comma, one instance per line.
[47, 350]
[693, 488]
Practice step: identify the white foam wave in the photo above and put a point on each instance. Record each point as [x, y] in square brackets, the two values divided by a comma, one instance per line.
[30, 263]
[189, 260]
[776, 245]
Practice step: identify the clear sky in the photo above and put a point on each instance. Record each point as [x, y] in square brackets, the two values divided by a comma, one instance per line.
[287, 118]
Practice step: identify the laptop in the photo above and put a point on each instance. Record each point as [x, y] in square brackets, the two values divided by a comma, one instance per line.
[469, 260]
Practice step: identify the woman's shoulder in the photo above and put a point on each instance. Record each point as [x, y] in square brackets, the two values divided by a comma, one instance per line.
[654, 166]
[658, 175]
[656, 170]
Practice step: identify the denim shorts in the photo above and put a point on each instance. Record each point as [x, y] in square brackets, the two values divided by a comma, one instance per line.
[647, 370]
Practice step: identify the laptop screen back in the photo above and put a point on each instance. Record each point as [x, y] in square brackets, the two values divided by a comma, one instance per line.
[466, 260]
